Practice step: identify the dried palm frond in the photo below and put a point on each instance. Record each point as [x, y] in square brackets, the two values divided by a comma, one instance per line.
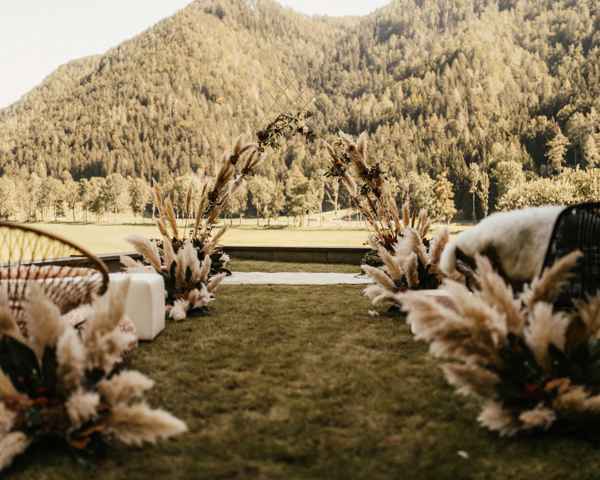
[62, 385]
[530, 364]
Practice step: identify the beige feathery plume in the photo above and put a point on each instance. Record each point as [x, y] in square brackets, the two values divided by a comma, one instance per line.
[82, 407]
[225, 259]
[107, 351]
[425, 315]
[188, 201]
[147, 249]
[252, 161]
[411, 267]
[377, 294]
[497, 418]
[158, 199]
[437, 246]
[589, 312]
[423, 223]
[71, 356]
[179, 310]
[199, 298]
[44, 322]
[350, 185]
[495, 291]
[572, 398]
[545, 327]
[162, 228]
[171, 218]
[139, 424]
[380, 277]
[393, 269]
[7, 388]
[471, 379]
[468, 329]
[548, 286]
[215, 282]
[407, 244]
[125, 387]
[362, 144]
[133, 266]
[187, 258]
[486, 323]
[11, 446]
[539, 417]
[406, 214]
[108, 311]
[169, 253]
[393, 209]
[8, 326]
[592, 404]
[211, 246]
[444, 328]
[7, 419]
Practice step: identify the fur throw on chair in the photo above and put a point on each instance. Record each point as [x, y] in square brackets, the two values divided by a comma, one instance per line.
[516, 241]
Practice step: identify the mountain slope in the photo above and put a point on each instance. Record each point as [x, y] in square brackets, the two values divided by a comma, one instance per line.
[153, 103]
[440, 85]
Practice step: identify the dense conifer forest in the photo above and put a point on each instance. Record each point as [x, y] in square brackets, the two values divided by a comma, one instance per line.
[491, 102]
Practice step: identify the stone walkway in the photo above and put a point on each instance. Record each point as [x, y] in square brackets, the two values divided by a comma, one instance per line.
[296, 278]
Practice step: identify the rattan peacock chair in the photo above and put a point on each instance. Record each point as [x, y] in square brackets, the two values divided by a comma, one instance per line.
[30, 255]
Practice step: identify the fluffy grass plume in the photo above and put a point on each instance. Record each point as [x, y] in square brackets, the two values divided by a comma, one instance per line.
[189, 258]
[61, 384]
[528, 363]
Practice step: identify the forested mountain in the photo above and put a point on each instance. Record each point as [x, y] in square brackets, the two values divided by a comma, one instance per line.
[489, 92]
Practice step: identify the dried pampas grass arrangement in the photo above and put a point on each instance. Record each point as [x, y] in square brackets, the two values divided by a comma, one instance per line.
[403, 257]
[64, 385]
[413, 264]
[367, 188]
[529, 364]
[189, 258]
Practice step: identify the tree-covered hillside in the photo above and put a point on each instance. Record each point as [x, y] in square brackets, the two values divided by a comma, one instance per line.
[492, 93]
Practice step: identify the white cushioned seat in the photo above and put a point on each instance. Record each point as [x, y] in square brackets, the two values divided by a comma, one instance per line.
[145, 304]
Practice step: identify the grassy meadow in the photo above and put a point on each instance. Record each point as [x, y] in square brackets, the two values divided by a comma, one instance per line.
[330, 230]
[302, 383]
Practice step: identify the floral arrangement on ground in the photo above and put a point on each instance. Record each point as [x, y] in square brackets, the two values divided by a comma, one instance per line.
[530, 364]
[189, 259]
[402, 256]
[59, 383]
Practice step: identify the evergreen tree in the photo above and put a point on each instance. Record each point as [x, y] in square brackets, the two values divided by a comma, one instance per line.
[444, 193]
[557, 149]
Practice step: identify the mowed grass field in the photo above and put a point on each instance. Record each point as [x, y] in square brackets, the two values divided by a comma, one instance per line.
[301, 383]
[110, 237]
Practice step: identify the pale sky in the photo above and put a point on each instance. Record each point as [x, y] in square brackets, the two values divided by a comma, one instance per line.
[37, 36]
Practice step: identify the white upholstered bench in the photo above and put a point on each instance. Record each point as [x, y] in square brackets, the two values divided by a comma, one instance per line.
[145, 304]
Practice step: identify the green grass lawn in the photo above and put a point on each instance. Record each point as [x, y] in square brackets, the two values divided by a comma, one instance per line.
[329, 230]
[110, 238]
[274, 267]
[301, 383]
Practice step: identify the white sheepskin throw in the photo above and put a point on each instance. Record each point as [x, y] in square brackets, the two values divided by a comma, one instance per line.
[519, 238]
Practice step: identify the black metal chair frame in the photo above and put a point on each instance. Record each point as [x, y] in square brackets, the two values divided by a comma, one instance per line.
[577, 228]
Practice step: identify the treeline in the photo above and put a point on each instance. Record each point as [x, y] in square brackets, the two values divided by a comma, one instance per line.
[37, 197]
[446, 88]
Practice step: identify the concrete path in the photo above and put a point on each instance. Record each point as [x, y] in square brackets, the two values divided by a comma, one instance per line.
[296, 278]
